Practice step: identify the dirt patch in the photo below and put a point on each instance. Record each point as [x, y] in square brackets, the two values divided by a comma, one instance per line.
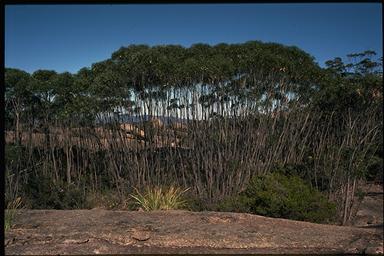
[105, 232]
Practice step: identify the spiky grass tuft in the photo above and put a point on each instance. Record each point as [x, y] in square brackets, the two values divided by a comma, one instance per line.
[10, 212]
[160, 198]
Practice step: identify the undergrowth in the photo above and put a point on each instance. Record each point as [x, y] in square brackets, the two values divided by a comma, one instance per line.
[10, 212]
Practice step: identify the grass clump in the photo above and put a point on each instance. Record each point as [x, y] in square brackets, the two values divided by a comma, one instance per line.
[10, 212]
[160, 198]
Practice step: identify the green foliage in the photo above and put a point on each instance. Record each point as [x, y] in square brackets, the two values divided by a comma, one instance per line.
[299, 170]
[195, 204]
[158, 198]
[238, 203]
[106, 199]
[290, 197]
[17, 84]
[281, 196]
[350, 86]
[42, 193]
[360, 194]
[374, 168]
[13, 154]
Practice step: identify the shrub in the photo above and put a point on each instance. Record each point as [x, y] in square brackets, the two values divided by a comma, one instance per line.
[238, 203]
[42, 193]
[13, 153]
[281, 196]
[195, 203]
[289, 197]
[374, 169]
[158, 198]
[106, 199]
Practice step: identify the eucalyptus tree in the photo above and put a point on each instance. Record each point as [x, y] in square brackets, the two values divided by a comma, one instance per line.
[43, 87]
[350, 100]
[248, 108]
[20, 109]
[84, 105]
[206, 81]
[44, 90]
[131, 62]
[18, 95]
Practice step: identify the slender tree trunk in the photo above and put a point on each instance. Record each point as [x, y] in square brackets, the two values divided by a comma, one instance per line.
[69, 163]
[346, 203]
[18, 130]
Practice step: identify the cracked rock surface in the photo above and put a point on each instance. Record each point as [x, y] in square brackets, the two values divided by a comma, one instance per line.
[98, 231]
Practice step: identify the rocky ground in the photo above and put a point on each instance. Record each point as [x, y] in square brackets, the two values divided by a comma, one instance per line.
[101, 231]
[113, 232]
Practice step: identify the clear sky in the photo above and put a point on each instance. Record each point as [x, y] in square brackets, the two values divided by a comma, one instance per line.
[69, 37]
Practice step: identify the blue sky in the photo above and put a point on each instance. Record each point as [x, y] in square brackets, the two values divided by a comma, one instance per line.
[69, 37]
